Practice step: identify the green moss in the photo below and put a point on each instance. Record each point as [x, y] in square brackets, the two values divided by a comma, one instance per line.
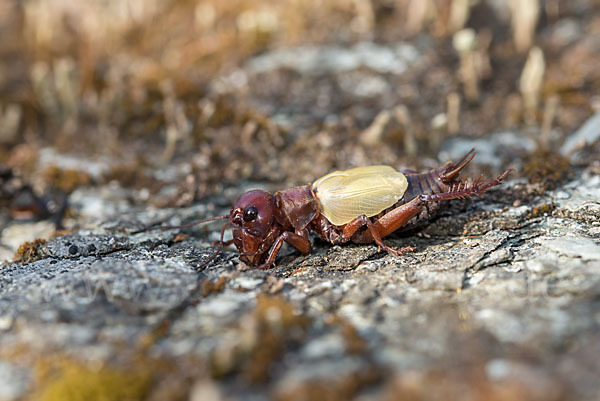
[79, 383]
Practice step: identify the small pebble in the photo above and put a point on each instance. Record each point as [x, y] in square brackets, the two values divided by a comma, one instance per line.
[6, 322]
[73, 250]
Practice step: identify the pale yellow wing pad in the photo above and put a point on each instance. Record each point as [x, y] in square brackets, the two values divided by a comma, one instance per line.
[345, 195]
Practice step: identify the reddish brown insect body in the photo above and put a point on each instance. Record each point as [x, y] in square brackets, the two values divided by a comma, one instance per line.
[262, 222]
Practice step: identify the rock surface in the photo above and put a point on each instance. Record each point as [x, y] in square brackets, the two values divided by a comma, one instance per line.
[499, 297]
[115, 116]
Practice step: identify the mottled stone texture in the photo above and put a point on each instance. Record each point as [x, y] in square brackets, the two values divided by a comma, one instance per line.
[500, 301]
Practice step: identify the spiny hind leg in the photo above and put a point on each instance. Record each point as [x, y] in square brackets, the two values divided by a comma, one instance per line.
[383, 226]
[396, 218]
[465, 190]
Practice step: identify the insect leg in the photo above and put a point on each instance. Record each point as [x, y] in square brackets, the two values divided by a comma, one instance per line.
[463, 190]
[351, 228]
[300, 241]
[399, 216]
[383, 226]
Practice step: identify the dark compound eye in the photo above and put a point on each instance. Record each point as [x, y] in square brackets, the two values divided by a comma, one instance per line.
[250, 213]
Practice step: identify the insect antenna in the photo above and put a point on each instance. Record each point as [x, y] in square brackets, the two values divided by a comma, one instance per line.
[221, 242]
[203, 265]
[153, 227]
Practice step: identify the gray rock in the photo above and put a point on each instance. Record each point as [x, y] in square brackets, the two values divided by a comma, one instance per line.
[318, 60]
[492, 150]
[14, 381]
[586, 135]
[575, 247]
[488, 281]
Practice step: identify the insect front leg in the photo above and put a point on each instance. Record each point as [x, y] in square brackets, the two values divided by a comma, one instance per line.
[299, 240]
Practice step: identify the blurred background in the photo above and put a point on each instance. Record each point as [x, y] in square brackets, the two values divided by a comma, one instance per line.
[281, 91]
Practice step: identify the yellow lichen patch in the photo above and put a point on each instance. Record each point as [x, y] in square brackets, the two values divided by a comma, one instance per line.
[76, 382]
[131, 375]
[30, 251]
[66, 180]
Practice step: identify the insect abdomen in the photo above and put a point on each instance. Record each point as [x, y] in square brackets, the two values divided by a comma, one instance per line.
[426, 183]
[419, 184]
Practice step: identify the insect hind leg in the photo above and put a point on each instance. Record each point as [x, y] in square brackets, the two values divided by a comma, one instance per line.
[372, 232]
[463, 190]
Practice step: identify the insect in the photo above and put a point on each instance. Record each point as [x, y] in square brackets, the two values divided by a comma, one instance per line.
[360, 205]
